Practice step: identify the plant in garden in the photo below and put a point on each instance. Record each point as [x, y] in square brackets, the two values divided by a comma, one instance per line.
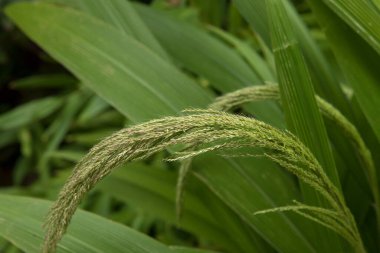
[263, 167]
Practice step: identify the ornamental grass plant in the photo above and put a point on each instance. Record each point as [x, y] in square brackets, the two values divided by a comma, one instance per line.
[197, 126]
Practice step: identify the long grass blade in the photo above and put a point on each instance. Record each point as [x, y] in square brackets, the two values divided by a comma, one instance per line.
[324, 81]
[299, 103]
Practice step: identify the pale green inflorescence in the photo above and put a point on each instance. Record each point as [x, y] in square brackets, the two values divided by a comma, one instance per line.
[270, 91]
[201, 132]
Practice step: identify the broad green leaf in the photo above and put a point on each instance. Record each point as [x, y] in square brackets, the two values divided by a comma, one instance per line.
[28, 112]
[122, 15]
[182, 41]
[21, 223]
[191, 46]
[298, 99]
[362, 16]
[96, 52]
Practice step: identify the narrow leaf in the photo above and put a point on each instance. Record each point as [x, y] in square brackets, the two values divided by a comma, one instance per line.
[324, 81]
[28, 112]
[301, 111]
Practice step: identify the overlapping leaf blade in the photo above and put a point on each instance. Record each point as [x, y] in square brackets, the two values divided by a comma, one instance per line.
[298, 99]
[324, 81]
[97, 53]
[326, 84]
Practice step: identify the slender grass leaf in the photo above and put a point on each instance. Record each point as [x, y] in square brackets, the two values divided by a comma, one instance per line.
[45, 81]
[298, 99]
[29, 112]
[324, 81]
[57, 131]
[67, 154]
[94, 107]
[90, 138]
[255, 61]
[296, 89]
[325, 84]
